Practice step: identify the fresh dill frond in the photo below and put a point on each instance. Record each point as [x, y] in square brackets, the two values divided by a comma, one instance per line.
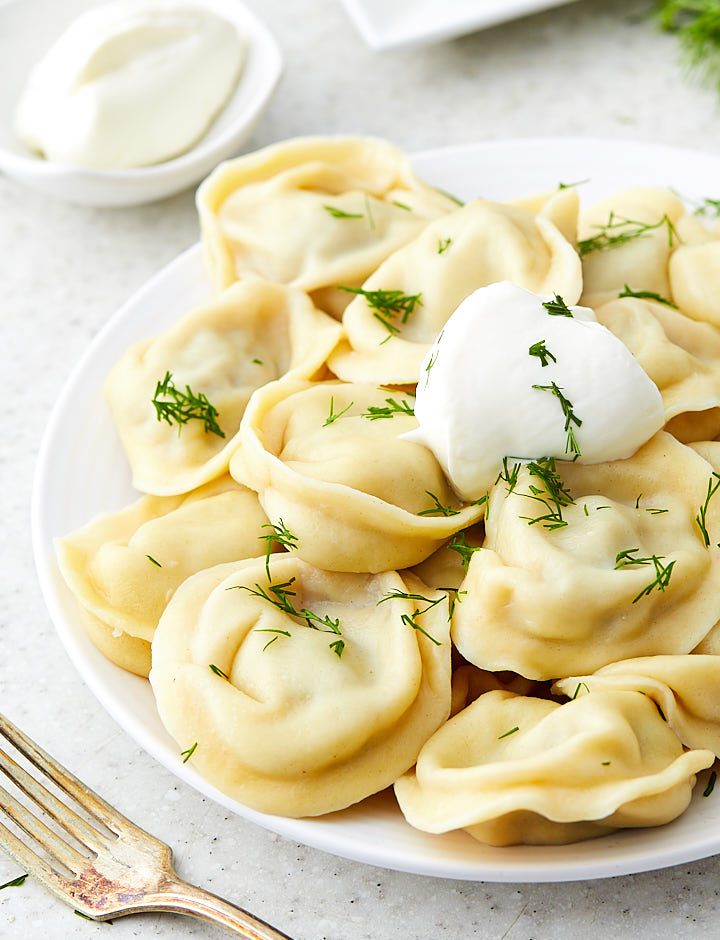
[697, 26]
[557, 307]
[175, 406]
[571, 445]
[619, 230]
[646, 295]
[391, 408]
[333, 416]
[337, 213]
[541, 351]
[438, 508]
[459, 544]
[701, 518]
[387, 305]
[280, 534]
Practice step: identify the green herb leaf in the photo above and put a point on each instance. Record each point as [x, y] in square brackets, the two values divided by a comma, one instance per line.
[557, 307]
[571, 445]
[337, 213]
[218, 671]
[333, 416]
[391, 408]
[710, 784]
[508, 733]
[173, 405]
[280, 534]
[701, 517]
[697, 26]
[387, 305]
[646, 295]
[540, 350]
[15, 883]
[459, 544]
[443, 245]
[154, 561]
[186, 755]
[619, 230]
[438, 507]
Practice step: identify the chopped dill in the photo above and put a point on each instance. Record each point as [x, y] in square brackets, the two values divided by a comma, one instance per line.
[391, 408]
[646, 295]
[218, 671]
[387, 305]
[443, 245]
[571, 444]
[508, 733]
[459, 544]
[279, 534]
[187, 754]
[701, 517]
[557, 307]
[618, 230]
[173, 405]
[333, 416]
[438, 507]
[337, 213]
[540, 350]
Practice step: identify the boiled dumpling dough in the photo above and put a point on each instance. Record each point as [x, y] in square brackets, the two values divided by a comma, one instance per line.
[542, 600]
[254, 333]
[641, 262]
[477, 245]
[314, 212]
[686, 688]
[355, 496]
[301, 726]
[123, 567]
[510, 769]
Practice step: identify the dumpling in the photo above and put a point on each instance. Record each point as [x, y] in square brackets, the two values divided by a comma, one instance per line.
[510, 769]
[123, 567]
[685, 688]
[404, 305]
[313, 212]
[627, 239]
[301, 691]
[594, 563]
[326, 459]
[695, 280]
[681, 356]
[207, 365]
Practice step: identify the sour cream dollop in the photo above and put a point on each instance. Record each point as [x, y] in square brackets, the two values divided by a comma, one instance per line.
[130, 84]
[478, 400]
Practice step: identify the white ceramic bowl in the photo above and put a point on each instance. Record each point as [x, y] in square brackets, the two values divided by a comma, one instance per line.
[27, 30]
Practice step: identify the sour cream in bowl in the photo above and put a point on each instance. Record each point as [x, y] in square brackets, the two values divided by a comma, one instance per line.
[130, 101]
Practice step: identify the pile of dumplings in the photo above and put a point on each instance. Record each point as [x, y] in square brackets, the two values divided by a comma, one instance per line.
[319, 614]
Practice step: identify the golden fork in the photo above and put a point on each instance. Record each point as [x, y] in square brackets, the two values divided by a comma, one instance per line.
[103, 866]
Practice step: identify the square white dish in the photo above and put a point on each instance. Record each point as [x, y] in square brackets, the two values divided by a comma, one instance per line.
[384, 24]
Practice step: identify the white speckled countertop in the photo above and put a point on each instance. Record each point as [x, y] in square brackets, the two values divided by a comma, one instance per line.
[593, 68]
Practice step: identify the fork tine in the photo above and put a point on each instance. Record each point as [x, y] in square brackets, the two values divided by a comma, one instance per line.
[50, 841]
[30, 860]
[67, 782]
[73, 824]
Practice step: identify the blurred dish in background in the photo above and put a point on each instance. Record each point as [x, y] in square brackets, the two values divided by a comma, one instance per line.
[28, 28]
[412, 22]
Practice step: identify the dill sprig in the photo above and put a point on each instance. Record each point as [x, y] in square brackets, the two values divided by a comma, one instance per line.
[338, 213]
[553, 494]
[173, 405]
[443, 245]
[697, 25]
[15, 883]
[438, 507]
[557, 307]
[391, 408]
[459, 544]
[280, 534]
[279, 596]
[701, 517]
[387, 305]
[618, 230]
[411, 619]
[663, 572]
[646, 295]
[218, 671]
[154, 561]
[571, 445]
[508, 733]
[187, 754]
[708, 207]
[509, 475]
[333, 416]
[540, 350]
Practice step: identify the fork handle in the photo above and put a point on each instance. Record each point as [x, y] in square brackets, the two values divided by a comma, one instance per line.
[179, 897]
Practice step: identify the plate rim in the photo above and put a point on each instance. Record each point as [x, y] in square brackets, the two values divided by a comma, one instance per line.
[315, 832]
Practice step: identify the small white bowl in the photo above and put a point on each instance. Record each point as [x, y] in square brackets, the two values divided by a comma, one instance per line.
[27, 30]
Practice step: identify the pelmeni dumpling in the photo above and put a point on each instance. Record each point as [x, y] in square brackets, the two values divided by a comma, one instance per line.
[681, 356]
[302, 714]
[686, 688]
[123, 567]
[510, 769]
[634, 235]
[407, 301]
[336, 473]
[561, 206]
[695, 280]
[600, 563]
[254, 333]
[314, 212]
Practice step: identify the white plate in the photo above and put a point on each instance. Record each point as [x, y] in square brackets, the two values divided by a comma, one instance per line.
[82, 471]
[27, 30]
[387, 23]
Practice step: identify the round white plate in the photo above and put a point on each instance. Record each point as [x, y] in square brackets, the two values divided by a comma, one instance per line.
[82, 471]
